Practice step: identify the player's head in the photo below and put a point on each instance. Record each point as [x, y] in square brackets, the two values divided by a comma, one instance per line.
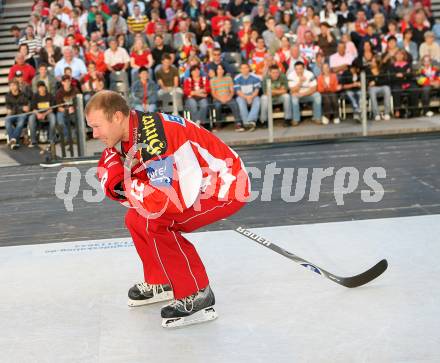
[106, 113]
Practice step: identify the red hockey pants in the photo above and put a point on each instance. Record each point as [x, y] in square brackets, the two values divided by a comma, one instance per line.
[166, 255]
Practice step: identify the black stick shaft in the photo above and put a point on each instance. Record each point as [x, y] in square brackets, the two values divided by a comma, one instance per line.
[353, 281]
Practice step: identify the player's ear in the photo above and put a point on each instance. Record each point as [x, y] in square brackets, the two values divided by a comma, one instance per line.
[118, 117]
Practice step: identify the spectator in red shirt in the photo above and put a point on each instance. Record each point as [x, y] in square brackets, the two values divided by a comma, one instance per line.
[90, 83]
[360, 28]
[257, 57]
[273, 7]
[328, 86]
[248, 44]
[155, 19]
[140, 57]
[174, 15]
[41, 7]
[282, 56]
[246, 29]
[103, 6]
[210, 8]
[20, 65]
[196, 90]
[79, 39]
[426, 4]
[217, 22]
[96, 55]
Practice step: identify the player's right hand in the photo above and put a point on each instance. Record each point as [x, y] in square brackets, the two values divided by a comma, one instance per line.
[111, 173]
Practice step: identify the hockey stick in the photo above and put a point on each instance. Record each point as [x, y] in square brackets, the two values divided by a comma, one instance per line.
[352, 281]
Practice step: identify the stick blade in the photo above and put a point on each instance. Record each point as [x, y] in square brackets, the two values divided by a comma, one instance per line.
[365, 277]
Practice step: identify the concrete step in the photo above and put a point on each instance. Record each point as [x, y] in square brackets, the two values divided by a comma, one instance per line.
[13, 13]
[9, 55]
[5, 33]
[4, 89]
[2, 110]
[17, 5]
[3, 132]
[21, 25]
[4, 47]
[2, 100]
[3, 80]
[13, 21]
[7, 62]
[4, 71]
[8, 41]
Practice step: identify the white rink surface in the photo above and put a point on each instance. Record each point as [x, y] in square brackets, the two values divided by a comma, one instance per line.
[70, 306]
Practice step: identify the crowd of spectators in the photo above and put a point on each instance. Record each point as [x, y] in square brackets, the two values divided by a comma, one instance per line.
[220, 54]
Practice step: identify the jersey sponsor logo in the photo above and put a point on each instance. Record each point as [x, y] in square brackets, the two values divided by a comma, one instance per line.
[174, 118]
[152, 135]
[160, 172]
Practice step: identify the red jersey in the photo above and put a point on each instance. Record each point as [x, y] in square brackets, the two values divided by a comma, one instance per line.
[105, 8]
[98, 60]
[79, 39]
[180, 162]
[361, 27]
[27, 70]
[151, 26]
[217, 23]
[190, 85]
[141, 60]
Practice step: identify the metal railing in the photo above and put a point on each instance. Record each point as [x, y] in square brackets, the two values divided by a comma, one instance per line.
[80, 126]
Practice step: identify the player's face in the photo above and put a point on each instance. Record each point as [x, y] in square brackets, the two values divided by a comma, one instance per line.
[109, 133]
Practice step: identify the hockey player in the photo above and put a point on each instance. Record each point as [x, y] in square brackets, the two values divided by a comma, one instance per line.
[175, 177]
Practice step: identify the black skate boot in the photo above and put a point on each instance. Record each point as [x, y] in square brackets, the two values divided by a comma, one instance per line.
[192, 309]
[144, 293]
